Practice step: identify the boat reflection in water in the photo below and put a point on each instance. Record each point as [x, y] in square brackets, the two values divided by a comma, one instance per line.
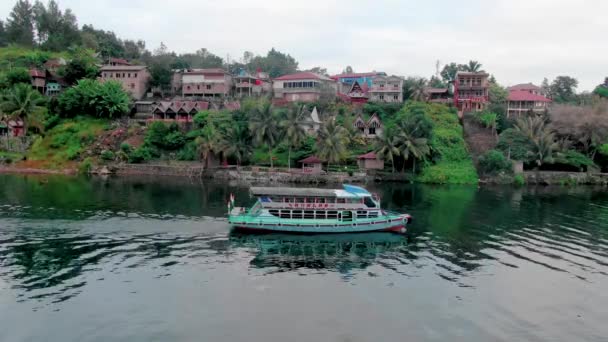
[336, 252]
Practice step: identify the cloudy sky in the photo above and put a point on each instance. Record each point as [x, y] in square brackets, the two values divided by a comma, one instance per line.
[516, 40]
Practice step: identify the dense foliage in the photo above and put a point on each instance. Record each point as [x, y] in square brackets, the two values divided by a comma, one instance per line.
[91, 97]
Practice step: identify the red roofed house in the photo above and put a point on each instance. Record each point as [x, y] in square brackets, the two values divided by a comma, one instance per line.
[134, 78]
[529, 87]
[177, 110]
[522, 100]
[117, 61]
[370, 161]
[312, 165]
[210, 83]
[303, 87]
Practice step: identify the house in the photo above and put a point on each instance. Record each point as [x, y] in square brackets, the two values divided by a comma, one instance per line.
[302, 87]
[208, 83]
[11, 127]
[386, 89]
[310, 121]
[38, 79]
[177, 110]
[246, 84]
[471, 91]
[134, 78]
[521, 101]
[528, 87]
[357, 94]
[370, 161]
[370, 128]
[312, 165]
[53, 89]
[364, 78]
[117, 61]
[54, 64]
[438, 95]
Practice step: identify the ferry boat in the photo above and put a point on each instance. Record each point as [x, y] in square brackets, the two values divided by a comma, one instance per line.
[351, 209]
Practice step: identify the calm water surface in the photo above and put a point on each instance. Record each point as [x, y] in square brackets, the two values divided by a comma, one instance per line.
[137, 259]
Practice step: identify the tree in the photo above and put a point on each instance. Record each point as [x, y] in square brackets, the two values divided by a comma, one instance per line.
[436, 82]
[497, 95]
[348, 70]
[201, 59]
[414, 88]
[78, 68]
[134, 49]
[472, 66]
[448, 73]
[207, 143]
[90, 97]
[106, 42]
[294, 134]
[3, 38]
[263, 124]
[563, 89]
[332, 140]
[17, 75]
[275, 63]
[387, 148]
[20, 24]
[587, 125]
[22, 102]
[318, 70]
[545, 87]
[160, 69]
[236, 142]
[409, 143]
[540, 137]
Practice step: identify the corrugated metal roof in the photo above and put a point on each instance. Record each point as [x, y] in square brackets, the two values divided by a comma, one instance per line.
[299, 192]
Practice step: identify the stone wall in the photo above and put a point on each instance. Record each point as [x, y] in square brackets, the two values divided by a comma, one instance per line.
[15, 144]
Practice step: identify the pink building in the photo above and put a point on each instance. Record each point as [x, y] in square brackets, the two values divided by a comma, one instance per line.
[526, 99]
[386, 89]
[246, 84]
[209, 83]
[312, 165]
[134, 78]
[303, 87]
[471, 91]
[370, 161]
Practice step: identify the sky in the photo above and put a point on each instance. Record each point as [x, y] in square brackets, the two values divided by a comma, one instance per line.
[517, 41]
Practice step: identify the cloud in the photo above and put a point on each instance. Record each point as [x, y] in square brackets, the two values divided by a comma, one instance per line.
[516, 40]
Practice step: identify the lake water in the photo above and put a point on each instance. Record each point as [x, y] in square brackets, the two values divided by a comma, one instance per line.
[140, 259]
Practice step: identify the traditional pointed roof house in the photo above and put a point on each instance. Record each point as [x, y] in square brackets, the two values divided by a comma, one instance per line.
[310, 121]
[371, 128]
[358, 93]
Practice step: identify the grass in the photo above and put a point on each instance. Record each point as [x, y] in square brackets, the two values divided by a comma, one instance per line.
[453, 163]
[62, 146]
[15, 56]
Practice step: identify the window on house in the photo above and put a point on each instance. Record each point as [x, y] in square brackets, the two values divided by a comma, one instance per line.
[188, 87]
[129, 75]
[208, 86]
[381, 97]
[132, 85]
[396, 97]
[198, 87]
[135, 75]
[371, 131]
[123, 75]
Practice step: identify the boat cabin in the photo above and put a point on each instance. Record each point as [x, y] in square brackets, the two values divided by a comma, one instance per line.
[302, 203]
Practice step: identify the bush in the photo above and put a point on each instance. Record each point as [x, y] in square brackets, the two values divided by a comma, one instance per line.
[449, 172]
[494, 162]
[107, 155]
[174, 140]
[575, 159]
[91, 97]
[85, 166]
[140, 155]
[515, 145]
[17, 75]
[156, 133]
[126, 148]
[188, 152]
[51, 121]
[519, 180]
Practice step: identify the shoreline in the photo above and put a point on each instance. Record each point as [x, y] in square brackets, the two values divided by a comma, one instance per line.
[543, 178]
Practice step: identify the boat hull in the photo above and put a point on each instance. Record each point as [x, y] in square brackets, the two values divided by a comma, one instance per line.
[393, 225]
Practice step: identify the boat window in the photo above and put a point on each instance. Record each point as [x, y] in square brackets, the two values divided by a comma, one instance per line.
[296, 214]
[369, 202]
[288, 200]
[309, 214]
[320, 200]
[285, 213]
[274, 212]
[373, 214]
[341, 200]
[332, 214]
[362, 214]
[299, 199]
[320, 214]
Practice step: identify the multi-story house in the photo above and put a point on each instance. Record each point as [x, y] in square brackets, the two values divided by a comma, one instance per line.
[525, 98]
[134, 78]
[246, 84]
[471, 91]
[207, 83]
[386, 89]
[302, 87]
[346, 81]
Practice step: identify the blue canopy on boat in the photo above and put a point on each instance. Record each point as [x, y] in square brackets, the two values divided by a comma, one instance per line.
[353, 189]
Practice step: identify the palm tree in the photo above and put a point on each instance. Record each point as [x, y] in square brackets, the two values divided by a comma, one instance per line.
[540, 136]
[236, 142]
[294, 133]
[409, 144]
[264, 125]
[22, 102]
[332, 141]
[473, 66]
[207, 143]
[387, 148]
[414, 88]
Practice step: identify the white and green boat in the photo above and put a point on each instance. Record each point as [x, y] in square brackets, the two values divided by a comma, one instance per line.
[351, 209]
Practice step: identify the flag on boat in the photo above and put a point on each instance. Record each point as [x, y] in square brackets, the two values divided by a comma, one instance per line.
[232, 199]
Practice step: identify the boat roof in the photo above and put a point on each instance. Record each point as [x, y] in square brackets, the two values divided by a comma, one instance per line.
[348, 191]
